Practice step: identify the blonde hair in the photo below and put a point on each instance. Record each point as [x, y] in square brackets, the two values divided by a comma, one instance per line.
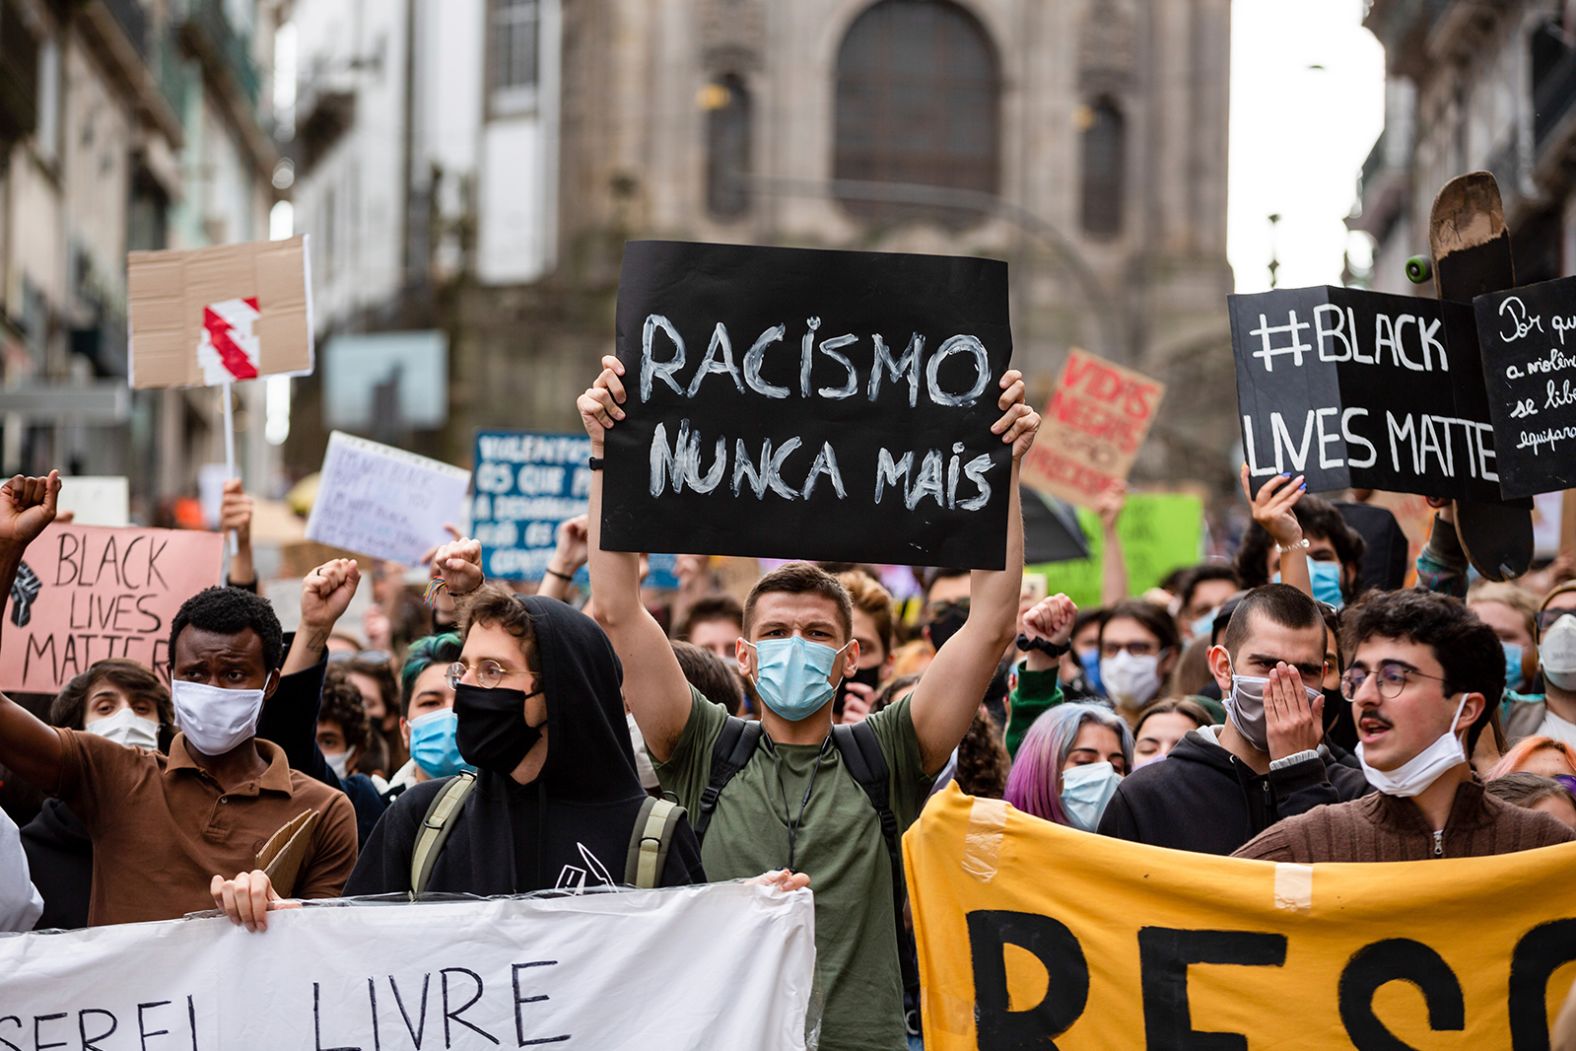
[873, 600]
[1510, 595]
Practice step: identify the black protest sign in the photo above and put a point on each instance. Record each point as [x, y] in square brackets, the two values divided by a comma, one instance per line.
[1354, 388]
[1528, 337]
[810, 404]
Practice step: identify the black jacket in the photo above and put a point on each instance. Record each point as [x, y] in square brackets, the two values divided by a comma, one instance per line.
[1203, 798]
[568, 828]
[60, 862]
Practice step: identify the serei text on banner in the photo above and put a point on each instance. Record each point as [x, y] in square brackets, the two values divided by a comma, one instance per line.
[591, 971]
[788, 402]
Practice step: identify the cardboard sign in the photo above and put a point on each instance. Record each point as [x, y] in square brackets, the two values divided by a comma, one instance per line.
[96, 500]
[1528, 336]
[592, 971]
[526, 483]
[1092, 429]
[1159, 532]
[217, 315]
[1032, 934]
[1363, 389]
[384, 502]
[808, 404]
[88, 593]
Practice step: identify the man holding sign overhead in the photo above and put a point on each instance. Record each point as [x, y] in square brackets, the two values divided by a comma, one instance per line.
[788, 794]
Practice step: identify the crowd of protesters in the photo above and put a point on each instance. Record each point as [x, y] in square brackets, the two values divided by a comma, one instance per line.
[1301, 703]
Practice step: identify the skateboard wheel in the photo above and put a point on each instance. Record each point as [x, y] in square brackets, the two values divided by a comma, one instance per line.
[1419, 269]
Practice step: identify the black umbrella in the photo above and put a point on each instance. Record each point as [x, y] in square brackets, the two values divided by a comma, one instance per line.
[1051, 532]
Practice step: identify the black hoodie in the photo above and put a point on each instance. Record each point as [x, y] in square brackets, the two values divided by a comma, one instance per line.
[60, 861]
[1203, 798]
[570, 827]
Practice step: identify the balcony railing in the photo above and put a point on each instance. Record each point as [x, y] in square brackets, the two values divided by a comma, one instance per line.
[1552, 98]
[133, 21]
[226, 46]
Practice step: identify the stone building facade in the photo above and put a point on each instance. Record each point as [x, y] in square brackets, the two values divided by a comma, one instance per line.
[1084, 141]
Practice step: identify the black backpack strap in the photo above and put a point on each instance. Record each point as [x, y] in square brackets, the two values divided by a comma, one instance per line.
[735, 745]
[861, 753]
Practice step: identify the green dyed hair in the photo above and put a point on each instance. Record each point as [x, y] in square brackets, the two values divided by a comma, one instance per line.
[423, 654]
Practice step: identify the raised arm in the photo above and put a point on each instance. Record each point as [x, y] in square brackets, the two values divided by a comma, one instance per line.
[1273, 510]
[1113, 564]
[28, 745]
[235, 514]
[952, 687]
[654, 685]
[325, 595]
[567, 558]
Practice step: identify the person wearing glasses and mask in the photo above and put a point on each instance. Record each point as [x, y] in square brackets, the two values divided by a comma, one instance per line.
[1554, 714]
[537, 713]
[164, 825]
[1423, 674]
[1222, 785]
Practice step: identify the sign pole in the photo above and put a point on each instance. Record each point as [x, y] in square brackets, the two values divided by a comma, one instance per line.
[229, 452]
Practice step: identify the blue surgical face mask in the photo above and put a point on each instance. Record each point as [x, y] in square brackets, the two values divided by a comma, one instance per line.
[1513, 655]
[434, 746]
[792, 675]
[1086, 790]
[1090, 663]
[1326, 578]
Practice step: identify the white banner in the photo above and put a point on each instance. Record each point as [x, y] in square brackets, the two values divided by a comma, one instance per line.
[724, 965]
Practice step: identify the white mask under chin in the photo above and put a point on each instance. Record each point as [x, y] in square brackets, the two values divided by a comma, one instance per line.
[1130, 682]
[340, 764]
[1413, 777]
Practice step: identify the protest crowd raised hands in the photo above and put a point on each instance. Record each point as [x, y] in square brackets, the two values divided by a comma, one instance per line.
[786, 682]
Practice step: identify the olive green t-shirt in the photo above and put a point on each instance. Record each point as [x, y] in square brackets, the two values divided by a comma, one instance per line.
[838, 844]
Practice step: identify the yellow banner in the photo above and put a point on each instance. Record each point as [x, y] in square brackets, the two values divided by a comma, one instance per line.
[1032, 935]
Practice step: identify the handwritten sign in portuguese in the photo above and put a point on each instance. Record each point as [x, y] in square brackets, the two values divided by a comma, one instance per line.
[1528, 336]
[1093, 428]
[89, 593]
[1354, 388]
[786, 402]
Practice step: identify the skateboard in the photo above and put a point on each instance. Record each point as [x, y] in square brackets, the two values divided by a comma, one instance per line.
[1470, 247]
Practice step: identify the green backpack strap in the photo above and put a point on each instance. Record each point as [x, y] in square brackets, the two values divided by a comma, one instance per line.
[649, 841]
[435, 829]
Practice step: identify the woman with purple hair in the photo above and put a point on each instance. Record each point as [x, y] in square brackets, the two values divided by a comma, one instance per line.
[1070, 763]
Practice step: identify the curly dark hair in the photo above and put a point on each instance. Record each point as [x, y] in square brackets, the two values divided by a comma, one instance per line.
[1320, 520]
[983, 762]
[341, 703]
[380, 672]
[1467, 649]
[229, 611]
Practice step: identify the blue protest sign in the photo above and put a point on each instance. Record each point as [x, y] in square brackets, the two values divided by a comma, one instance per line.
[525, 484]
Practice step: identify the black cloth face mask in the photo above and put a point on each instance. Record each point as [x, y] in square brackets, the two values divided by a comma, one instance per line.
[947, 623]
[492, 733]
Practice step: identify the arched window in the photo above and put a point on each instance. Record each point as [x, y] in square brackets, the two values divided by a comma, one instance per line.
[1104, 168]
[918, 102]
[728, 116]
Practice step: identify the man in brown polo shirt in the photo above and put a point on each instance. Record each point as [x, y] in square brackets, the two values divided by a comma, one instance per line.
[1423, 674]
[164, 826]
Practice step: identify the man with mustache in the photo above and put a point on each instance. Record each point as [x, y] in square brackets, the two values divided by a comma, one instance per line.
[1423, 670]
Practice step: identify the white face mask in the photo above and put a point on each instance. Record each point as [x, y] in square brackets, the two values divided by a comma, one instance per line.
[214, 719]
[126, 727]
[1414, 776]
[1085, 792]
[340, 764]
[1557, 653]
[1130, 681]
